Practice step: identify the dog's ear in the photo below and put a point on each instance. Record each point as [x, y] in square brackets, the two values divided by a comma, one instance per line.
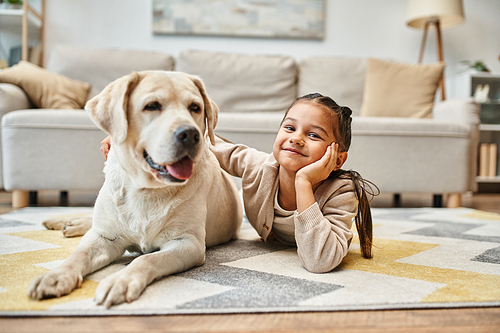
[211, 109]
[109, 109]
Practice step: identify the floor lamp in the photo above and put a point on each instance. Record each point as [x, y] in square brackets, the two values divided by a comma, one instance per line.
[441, 14]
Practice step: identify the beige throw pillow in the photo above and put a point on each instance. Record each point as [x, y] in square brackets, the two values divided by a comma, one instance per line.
[394, 89]
[46, 89]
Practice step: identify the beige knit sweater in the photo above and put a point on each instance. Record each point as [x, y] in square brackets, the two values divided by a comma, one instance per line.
[322, 232]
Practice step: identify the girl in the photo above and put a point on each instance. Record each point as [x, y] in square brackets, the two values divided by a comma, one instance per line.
[298, 194]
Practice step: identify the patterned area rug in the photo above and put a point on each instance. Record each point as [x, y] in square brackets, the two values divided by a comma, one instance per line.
[423, 258]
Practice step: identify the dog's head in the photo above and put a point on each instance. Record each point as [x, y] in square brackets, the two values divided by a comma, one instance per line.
[157, 121]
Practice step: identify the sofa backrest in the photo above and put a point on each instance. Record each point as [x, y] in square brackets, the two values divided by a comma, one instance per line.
[243, 83]
[342, 79]
[99, 67]
[236, 82]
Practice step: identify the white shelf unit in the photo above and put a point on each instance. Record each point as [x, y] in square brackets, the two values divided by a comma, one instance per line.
[24, 18]
[13, 18]
[464, 85]
[490, 133]
[489, 127]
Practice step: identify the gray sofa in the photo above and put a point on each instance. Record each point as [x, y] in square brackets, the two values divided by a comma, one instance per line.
[59, 149]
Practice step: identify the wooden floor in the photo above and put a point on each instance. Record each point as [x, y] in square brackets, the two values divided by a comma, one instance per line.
[438, 320]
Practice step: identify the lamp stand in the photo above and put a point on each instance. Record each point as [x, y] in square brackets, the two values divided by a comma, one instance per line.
[440, 49]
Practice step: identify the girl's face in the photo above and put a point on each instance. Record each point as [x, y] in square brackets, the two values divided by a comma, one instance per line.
[303, 137]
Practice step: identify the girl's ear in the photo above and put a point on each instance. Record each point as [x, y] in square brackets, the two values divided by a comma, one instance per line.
[341, 158]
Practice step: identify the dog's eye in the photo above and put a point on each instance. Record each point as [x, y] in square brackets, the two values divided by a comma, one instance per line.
[155, 106]
[195, 108]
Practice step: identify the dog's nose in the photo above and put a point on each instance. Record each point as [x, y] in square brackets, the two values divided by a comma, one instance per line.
[187, 135]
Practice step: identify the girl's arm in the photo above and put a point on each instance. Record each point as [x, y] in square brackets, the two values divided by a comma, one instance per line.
[323, 235]
[233, 158]
[236, 158]
[313, 174]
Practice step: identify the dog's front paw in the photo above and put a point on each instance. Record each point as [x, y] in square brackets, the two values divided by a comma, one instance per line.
[71, 226]
[77, 227]
[54, 223]
[55, 283]
[119, 287]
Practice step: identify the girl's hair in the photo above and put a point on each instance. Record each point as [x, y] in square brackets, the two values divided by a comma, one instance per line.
[364, 189]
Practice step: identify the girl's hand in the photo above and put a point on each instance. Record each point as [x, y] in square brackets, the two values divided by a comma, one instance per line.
[321, 169]
[311, 174]
[105, 147]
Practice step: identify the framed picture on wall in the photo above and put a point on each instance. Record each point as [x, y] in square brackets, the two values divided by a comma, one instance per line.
[304, 19]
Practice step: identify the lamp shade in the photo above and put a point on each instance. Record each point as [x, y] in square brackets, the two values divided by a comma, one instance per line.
[449, 12]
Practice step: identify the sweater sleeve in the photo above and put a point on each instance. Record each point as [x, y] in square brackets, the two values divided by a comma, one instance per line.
[323, 235]
[235, 159]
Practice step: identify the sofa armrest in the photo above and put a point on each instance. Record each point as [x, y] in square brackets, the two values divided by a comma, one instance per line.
[464, 111]
[458, 110]
[13, 98]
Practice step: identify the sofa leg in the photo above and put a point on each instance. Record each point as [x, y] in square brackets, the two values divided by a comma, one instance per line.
[454, 200]
[20, 198]
[437, 201]
[63, 198]
[396, 200]
[33, 198]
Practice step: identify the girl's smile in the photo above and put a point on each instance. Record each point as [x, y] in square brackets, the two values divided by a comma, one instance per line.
[293, 151]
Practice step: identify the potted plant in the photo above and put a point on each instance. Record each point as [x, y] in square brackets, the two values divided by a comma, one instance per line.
[478, 65]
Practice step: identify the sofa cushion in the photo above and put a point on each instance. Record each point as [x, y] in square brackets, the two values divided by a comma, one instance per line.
[394, 89]
[342, 79]
[45, 89]
[257, 129]
[99, 67]
[244, 83]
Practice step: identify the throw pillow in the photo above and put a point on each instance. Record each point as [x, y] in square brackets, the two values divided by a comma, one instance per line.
[394, 89]
[46, 89]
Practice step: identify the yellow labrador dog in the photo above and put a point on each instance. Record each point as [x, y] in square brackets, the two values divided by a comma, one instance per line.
[164, 193]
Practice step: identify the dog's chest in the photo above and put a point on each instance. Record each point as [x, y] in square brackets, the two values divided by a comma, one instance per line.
[146, 219]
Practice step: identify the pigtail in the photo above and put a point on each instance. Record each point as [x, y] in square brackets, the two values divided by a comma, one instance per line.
[364, 191]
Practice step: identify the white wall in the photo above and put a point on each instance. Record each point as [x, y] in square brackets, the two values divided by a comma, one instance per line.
[357, 28]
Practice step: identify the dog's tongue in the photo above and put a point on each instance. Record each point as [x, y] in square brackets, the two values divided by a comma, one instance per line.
[181, 169]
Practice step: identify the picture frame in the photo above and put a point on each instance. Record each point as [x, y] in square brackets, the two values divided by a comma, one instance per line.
[299, 19]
